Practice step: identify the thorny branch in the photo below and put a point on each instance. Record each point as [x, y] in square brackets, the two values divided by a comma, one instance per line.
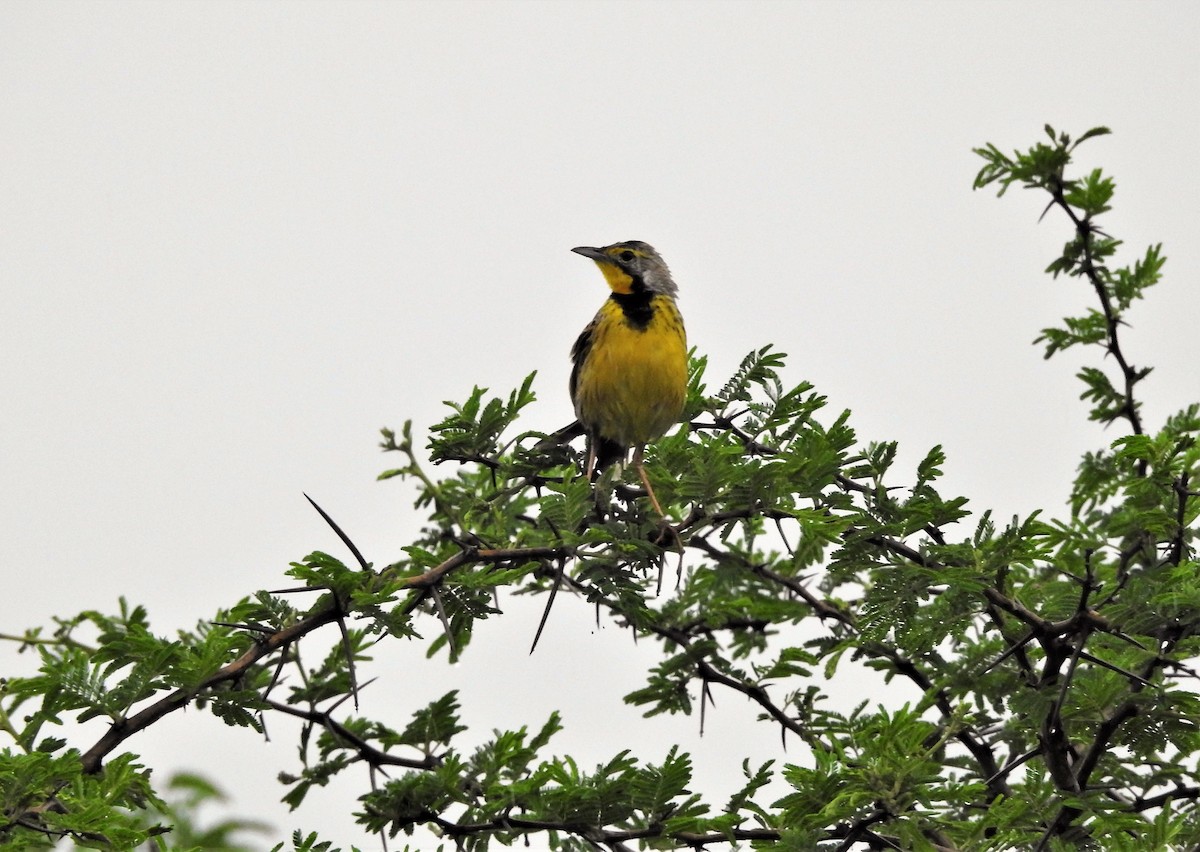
[1085, 230]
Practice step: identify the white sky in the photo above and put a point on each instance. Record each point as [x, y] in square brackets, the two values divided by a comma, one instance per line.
[237, 239]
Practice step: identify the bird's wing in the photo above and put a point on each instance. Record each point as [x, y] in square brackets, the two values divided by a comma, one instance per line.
[579, 353]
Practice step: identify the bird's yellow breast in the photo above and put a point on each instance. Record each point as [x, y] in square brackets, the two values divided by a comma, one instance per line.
[632, 382]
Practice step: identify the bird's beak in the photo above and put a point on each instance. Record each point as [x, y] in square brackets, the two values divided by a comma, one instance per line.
[593, 253]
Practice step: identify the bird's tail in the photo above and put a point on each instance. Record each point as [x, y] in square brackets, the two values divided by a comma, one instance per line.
[607, 453]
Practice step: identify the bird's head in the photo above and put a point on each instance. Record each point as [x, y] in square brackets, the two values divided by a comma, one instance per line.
[631, 267]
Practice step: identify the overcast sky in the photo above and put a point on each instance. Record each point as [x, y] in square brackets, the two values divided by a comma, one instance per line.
[236, 239]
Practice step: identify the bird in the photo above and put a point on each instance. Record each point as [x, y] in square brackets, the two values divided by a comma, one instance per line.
[630, 373]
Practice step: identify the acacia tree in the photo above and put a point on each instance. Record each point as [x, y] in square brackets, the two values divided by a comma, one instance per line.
[1051, 654]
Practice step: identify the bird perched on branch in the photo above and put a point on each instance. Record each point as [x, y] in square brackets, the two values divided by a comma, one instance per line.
[629, 380]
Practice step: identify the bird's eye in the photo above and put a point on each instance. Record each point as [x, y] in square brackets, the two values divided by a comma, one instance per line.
[627, 255]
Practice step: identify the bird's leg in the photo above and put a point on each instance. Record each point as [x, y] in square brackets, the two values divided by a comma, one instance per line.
[666, 532]
[637, 462]
[599, 505]
[591, 459]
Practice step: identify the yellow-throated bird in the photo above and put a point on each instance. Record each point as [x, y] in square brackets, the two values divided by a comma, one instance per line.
[629, 382]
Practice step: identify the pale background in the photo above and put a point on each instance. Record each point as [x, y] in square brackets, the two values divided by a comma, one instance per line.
[238, 238]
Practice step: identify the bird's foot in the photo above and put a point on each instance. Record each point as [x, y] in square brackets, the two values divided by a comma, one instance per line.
[666, 536]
